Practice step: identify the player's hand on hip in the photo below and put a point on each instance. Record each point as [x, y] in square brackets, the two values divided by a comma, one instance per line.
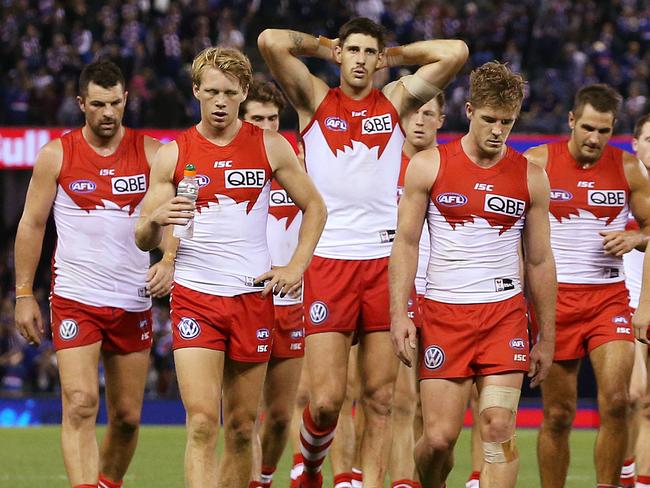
[640, 322]
[281, 280]
[620, 242]
[159, 278]
[177, 211]
[29, 321]
[403, 334]
[541, 359]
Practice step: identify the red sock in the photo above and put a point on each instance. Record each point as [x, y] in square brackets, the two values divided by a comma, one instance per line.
[343, 480]
[643, 478]
[106, 483]
[405, 483]
[254, 484]
[314, 442]
[475, 475]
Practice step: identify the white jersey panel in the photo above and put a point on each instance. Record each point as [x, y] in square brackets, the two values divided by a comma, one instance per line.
[282, 239]
[633, 262]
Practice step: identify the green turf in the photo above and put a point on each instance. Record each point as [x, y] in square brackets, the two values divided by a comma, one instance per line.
[31, 458]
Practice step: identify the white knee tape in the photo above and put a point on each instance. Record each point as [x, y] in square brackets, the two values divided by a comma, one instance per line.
[499, 396]
[500, 452]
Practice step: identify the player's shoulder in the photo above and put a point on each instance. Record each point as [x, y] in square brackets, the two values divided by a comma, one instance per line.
[538, 155]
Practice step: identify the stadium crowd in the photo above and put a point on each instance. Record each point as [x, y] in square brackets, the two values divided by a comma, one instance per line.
[558, 45]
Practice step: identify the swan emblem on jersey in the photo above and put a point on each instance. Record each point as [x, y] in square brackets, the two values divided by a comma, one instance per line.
[68, 329]
[434, 357]
[188, 328]
[601, 204]
[281, 206]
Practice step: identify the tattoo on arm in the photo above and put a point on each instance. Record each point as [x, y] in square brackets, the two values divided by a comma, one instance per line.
[296, 38]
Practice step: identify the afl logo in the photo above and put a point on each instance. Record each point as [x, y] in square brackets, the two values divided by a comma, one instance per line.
[451, 199]
[518, 344]
[434, 357]
[188, 328]
[318, 313]
[68, 329]
[263, 334]
[336, 124]
[561, 196]
[83, 186]
[202, 180]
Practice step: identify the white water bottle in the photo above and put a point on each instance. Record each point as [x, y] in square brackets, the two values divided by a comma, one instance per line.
[188, 187]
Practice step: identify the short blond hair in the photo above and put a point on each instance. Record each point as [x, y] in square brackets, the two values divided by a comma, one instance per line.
[494, 85]
[228, 60]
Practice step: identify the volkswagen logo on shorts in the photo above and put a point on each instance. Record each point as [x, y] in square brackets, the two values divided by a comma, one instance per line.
[68, 329]
[188, 328]
[318, 313]
[434, 357]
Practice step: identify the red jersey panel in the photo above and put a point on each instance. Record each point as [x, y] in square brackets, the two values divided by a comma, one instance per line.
[585, 202]
[352, 153]
[229, 247]
[97, 203]
[476, 216]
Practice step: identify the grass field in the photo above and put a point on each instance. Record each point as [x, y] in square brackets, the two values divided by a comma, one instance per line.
[31, 458]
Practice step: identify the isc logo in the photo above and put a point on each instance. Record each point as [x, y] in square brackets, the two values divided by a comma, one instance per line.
[262, 348]
[623, 330]
[107, 172]
[379, 124]
[561, 195]
[483, 187]
[606, 198]
[360, 113]
[586, 184]
[223, 164]
[245, 178]
[504, 205]
[520, 357]
[122, 185]
[279, 198]
[83, 186]
[451, 199]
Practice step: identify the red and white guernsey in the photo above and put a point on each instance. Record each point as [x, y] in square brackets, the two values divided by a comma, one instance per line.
[229, 248]
[282, 233]
[423, 248]
[633, 263]
[352, 152]
[476, 217]
[97, 204]
[585, 202]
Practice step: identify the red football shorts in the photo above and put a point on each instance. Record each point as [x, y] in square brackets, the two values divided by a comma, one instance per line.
[76, 324]
[289, 332]
[477, 339]
[348, 296]
[241, 326]
[589, 316]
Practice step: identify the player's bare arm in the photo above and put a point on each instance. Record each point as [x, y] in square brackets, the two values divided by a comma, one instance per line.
[538, 155]
[29, 238]
[439, 61]
[160, 207]
[540, 273]
[281, 49]
[420, 176]
[293, 178]
[641, 318]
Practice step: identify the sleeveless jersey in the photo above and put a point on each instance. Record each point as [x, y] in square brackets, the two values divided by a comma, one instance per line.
[282, 233]
[476, 217]
[583, 203]
[633, 263]
[352, 153]
[228, 249]
[423, 248]
[97, 203]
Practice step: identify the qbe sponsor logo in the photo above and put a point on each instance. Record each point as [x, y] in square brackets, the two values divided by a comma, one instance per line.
[318, 313]
[263, 334]
[451, 199]
[558, 195]
[125, 185]
[336, 124]
[188, 328]
[83, 186]
[499, 204]
[68, 329]
[245, 178]
[279, 198]
[518, 343]
[434, 357]
[606, 198]
[379, 124]
[202, 180]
